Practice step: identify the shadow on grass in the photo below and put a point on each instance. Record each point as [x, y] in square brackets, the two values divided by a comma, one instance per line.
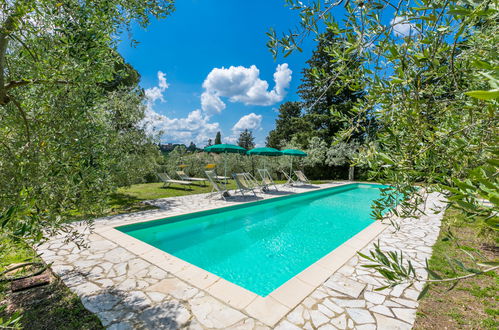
[124, 203]
[164, 203]
[179, 188]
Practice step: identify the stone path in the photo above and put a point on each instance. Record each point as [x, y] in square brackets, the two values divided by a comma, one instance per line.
[127, 292]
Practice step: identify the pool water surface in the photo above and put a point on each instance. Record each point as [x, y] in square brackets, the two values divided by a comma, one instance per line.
[261, 245]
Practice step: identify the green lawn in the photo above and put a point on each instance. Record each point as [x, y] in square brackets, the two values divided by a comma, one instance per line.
[130, 199]
[473, 303]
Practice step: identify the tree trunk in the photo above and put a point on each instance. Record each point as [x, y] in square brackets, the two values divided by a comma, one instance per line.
[351, 171]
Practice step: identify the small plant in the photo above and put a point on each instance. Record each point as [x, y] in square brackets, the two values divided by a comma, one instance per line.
[12, 322]
[397, 270]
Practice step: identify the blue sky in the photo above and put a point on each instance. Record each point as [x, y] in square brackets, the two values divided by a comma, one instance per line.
[201, 36]
[206, 68]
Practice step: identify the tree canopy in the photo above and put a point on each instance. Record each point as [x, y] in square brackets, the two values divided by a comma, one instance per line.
[70, 109]
[326, 105]
[432, 84]
[246, 140]
[218, 138]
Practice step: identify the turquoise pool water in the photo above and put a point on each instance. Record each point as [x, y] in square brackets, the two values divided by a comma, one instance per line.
[261, 245]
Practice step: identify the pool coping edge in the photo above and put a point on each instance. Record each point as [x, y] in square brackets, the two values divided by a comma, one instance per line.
[269, 309]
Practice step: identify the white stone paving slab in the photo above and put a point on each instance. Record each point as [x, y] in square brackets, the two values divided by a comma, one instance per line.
[128, 291]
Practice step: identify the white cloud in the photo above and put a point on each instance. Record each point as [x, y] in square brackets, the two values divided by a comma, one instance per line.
[156, 93]
[240, 84]
[230, 139]
[251, 122]
[402, 27]
[211, 103]
[195, 127]
[162, 80]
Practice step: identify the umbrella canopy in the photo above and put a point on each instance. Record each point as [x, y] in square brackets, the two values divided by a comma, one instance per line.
[264, 152]
[225, 148]
[294, 152]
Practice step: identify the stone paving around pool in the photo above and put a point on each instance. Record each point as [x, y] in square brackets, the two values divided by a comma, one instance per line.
[127, 292]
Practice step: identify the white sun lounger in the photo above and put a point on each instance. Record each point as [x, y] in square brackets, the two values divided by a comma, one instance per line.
[244, 183]
[185, 177]
[302, 178]
[167, 181]
[216, 190]
[266, 179]
[290, 181]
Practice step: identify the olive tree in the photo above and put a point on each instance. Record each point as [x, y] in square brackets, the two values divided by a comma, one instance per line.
[70, 110]
[432, 85]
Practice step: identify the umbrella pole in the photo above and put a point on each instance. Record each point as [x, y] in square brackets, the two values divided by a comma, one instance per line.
[225, 169]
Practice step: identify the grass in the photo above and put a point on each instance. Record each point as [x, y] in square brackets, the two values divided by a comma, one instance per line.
[474, 302]
[130, 199]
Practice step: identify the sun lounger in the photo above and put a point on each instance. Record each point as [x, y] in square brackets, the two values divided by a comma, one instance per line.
[211, 167]
[222, 178]
[244, 183]
[251, 180]
[216, 190]
[185, 177]
[289, 179]
[302, 178]
[266, 179]
[167, 181]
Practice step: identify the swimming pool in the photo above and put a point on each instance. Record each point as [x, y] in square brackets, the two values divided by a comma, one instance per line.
[261, 245]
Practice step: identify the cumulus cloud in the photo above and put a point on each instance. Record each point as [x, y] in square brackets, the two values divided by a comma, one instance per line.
[402, 27]
[240, 84]
[156, 93]
[230, 139]
[251, 122]
[211, 103]
[195, 127]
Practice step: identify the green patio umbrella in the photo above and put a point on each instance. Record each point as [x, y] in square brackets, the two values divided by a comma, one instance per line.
[225, 149]
[264, 152]
[293, 153]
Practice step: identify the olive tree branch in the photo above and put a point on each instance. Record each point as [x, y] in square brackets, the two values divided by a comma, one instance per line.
[19, 40]
[23, 115]
[19, 83]
[462, 277]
